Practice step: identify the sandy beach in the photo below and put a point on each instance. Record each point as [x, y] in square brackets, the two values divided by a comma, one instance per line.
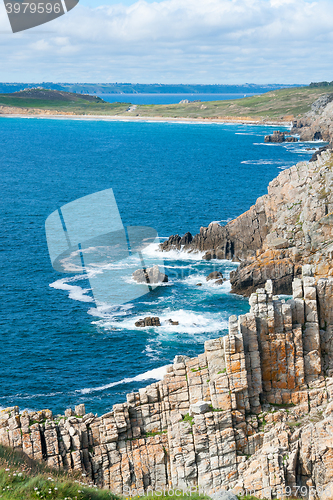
[10, 113]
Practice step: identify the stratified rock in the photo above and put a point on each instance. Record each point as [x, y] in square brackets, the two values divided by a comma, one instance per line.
[252, 414]
[80, 410]
[150, 275]
[199, 408]
[215, 275]
[277, 136]
[149, 321]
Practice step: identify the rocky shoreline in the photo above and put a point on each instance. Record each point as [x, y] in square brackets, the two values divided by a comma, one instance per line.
[253, 413]
[286, 228]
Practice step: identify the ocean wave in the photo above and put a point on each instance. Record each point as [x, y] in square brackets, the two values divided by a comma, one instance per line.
[153, 249]
[75, 291]
[261, 162]
[106, 311]
[267, 144]
[190, 322]
[210, 285]
[155, 374]
[248, 133]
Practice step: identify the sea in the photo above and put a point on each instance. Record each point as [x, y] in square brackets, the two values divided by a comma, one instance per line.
[57, 348]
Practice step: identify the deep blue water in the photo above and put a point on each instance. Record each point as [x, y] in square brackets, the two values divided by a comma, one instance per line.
[168, 98]
[57, 351]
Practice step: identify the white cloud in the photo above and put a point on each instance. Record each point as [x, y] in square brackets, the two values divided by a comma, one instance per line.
[210, 41]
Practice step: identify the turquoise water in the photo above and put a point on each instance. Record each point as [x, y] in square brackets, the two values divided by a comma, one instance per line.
[58, 350]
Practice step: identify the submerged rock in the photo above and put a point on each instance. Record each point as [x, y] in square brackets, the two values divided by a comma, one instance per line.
[171, 322]
[215, 275]
[150, 275]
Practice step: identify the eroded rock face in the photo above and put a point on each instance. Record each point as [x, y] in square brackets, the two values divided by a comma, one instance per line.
[252, 414]
[317, 124]
[150, 275]
[286, 228]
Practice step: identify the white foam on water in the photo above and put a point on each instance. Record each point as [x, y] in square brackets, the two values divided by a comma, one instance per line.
[190, 322]
[154, 251]
[210, 285]
[248, 133]
[75, 291]
[156, 374]
[106, 311]
[152, 353]
[261, 162]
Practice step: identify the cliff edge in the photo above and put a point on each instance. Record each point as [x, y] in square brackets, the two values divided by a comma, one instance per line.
[285, 229]
[253, 413]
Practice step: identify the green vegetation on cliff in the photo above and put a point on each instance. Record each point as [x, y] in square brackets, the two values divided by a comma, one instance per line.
[63, 102]
[275, 105]
[22, 478]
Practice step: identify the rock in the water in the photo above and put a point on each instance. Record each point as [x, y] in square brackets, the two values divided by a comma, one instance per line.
[150, 275]
[224, 495]
[291, 139]
[199, 408]
[215, 275]
[142, 323]
[277, 136]
[199, 284]
[175, 323]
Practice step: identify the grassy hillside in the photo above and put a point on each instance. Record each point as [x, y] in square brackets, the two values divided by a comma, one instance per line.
[62, 102]
[275, 105]
[272, 105]
[25, 479]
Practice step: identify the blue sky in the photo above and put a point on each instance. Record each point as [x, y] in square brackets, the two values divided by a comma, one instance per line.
[176, 41]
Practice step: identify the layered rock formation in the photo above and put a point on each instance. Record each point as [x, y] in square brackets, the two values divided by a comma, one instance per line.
[254, 412]
[286, 228]
[317, 124]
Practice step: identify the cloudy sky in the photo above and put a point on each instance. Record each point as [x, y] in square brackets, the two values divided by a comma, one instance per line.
[175, 41]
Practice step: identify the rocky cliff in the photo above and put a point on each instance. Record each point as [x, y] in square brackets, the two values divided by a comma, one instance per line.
[286, 228]
[317, 124]
[254, 412]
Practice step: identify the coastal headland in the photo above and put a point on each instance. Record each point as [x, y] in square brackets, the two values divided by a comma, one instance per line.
[282, 106]
[253, 412]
